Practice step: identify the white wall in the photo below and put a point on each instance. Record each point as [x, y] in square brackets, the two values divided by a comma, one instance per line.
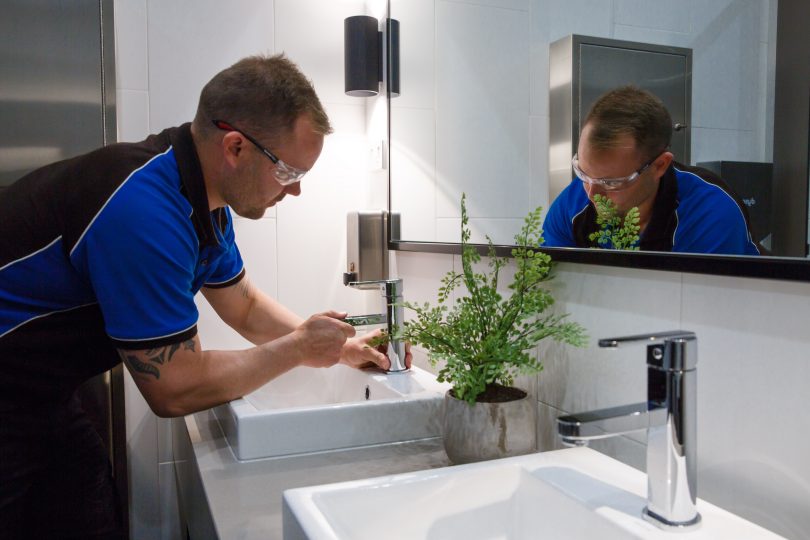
[166, 51]
[474, 111]
[753, 374]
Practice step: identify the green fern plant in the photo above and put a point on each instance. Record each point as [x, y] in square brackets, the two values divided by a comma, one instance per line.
[482, 338]
[615, 232]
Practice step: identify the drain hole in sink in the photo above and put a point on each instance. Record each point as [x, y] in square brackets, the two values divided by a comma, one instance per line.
[368, 392]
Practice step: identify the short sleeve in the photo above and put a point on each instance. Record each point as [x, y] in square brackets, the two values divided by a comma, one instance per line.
[558, 230]
[139, 256]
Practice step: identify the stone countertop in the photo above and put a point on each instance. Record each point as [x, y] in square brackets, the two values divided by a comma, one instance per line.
[224, 498]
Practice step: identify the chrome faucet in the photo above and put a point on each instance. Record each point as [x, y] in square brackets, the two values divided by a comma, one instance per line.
[669, 416]
[394, 316]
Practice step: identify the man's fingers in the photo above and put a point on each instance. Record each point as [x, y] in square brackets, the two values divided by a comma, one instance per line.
[347, 329]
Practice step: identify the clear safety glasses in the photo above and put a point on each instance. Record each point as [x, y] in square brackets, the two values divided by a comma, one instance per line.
[285, 174]
[610, 184]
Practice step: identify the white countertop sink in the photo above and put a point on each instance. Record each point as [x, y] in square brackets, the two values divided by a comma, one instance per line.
[312, 410]
[569, 494]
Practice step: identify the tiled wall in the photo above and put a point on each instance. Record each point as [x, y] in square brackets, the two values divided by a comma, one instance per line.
[166, 52]
[753, 374]
[474, 111]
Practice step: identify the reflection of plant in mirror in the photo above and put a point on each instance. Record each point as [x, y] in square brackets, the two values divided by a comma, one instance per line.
[485, 339]
[614, 231]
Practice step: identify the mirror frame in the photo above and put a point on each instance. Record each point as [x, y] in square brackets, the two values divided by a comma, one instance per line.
[794, 146]
[782, 268]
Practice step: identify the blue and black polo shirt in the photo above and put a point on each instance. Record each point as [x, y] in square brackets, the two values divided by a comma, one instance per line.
[105, 251]
[694, 212]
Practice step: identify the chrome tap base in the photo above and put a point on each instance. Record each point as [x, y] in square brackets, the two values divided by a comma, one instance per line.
[671, 526]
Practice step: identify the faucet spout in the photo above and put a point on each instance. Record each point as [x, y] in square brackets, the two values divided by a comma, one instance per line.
[578, 429]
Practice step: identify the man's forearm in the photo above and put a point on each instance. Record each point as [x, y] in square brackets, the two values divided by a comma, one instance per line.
[181, 379]
[257, 317]
[267, 320]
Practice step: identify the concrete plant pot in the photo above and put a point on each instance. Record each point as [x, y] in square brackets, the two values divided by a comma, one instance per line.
[488, 430]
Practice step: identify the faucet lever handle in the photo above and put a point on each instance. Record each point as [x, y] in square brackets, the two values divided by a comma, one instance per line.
[675, 350]
[653, 338]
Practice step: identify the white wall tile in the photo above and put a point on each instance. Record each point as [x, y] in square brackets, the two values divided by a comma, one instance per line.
[518, 5]
[723, 144]
[586, 17]
[656, 36]
[538, 58]
[297, 22]
[257, 243]
[190, 41]
[417, 45]
[725, 41]
[482, 66]
[538, 146]
[413, 172]
[312, 230]
[657, 14]
[131, 67]
[132, 115]
[500, 231]
[753, 373]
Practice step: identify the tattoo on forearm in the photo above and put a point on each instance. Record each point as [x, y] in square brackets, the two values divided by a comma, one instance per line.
[141, 367]
[156, 357]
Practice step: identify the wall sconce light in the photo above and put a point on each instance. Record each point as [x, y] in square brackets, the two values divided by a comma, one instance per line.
[363, 56]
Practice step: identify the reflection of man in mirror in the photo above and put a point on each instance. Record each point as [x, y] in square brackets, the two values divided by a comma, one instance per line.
[623, 154]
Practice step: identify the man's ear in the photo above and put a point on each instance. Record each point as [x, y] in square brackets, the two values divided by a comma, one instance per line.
[232, 147]
[662, 163]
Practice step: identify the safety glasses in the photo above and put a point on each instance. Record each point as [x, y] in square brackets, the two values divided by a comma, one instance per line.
[610, 184]
[285, 174]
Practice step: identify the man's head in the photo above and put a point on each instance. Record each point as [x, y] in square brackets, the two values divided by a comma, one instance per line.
[260, 126]
[622, 150]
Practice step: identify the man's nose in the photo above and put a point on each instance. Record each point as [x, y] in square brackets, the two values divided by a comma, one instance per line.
[293, 189]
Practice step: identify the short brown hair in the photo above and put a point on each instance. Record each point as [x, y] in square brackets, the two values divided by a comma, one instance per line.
[262, 95]
[629, 110]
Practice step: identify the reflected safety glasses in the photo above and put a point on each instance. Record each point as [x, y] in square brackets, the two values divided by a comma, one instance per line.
[285, 174]
[610, 184]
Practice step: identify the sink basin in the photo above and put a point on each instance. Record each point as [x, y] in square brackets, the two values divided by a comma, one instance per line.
[576, 493]
[312, 410]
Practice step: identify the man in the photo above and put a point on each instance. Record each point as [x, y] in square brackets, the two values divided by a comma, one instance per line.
[623, 155]
[100, 259]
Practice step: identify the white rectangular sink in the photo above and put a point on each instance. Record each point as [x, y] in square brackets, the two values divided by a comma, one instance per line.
[568, 494]
[311, 410]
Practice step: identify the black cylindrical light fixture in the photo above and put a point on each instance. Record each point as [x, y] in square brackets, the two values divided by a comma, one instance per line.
[393, 57]
[362, 62]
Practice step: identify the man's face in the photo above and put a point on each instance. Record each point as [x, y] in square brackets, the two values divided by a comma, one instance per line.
[254, 187]
[620, 161]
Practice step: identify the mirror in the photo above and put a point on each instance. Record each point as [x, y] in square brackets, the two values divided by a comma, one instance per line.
[473, 112]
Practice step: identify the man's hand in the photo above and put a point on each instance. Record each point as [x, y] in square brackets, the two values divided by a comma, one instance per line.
[357, 352]
[321, 338]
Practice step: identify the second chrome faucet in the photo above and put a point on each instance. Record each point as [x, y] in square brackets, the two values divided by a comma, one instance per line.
[669, 417]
